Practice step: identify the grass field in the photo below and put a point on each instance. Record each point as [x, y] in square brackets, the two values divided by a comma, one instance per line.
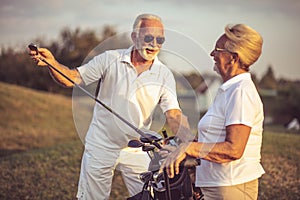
[40, 151]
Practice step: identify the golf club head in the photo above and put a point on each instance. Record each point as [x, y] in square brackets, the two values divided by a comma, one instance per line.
[150, 137]
[146, 176]
[148, 148]
[135, 144]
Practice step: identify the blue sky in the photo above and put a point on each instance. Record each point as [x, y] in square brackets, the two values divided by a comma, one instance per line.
[200, 22]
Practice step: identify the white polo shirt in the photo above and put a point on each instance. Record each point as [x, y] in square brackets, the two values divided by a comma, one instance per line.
[131, 96]
[237, 102]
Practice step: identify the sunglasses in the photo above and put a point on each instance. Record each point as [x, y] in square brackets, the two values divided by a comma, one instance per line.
[150, 38]
[222, 50]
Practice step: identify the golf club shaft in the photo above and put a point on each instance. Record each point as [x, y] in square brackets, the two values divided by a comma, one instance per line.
[167, 185]
[140, 132]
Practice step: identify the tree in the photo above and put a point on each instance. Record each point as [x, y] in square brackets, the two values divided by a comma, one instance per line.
[286, 104]
[268, 81]
[71, 49]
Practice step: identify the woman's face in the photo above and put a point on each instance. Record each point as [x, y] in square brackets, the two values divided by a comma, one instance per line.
[222, 56]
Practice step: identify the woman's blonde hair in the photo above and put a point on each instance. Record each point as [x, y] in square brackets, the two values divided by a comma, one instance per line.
[244, 41]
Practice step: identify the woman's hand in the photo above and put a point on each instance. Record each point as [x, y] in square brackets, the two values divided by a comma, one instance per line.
[173, 160]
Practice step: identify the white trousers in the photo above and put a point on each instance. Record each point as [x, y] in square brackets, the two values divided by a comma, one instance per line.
[97, 170]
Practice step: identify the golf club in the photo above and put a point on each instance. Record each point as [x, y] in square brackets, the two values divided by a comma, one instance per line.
[33, 47]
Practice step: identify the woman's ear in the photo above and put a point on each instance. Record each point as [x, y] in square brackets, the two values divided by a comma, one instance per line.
[235, 57]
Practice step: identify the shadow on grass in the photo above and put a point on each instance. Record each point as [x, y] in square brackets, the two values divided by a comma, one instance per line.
[8, 152]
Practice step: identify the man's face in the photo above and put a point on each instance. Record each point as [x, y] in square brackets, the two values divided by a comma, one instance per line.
[149, 39]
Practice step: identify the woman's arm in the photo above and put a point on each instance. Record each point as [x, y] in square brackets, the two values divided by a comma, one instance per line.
[231, 149]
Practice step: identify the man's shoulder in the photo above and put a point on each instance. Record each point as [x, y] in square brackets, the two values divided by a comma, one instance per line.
[116, 52]
[161, 66]
[110, 55]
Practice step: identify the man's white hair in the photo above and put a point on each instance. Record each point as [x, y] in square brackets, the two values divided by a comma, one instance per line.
[138, 21]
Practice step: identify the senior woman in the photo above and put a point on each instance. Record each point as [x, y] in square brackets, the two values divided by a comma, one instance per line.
[230, 133]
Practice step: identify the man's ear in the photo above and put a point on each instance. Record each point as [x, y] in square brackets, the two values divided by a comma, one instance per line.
[133, 37]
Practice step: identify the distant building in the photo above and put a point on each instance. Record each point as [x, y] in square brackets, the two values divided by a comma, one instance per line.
[206, 92]
[293, 125]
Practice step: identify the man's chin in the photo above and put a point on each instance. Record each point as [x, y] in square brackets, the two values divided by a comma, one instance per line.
[148, 57]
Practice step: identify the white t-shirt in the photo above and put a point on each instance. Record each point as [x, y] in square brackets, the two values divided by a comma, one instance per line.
[237, 102]
[131, 96]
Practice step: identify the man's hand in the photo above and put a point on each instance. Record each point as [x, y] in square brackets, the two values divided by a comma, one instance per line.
[166, 150]
[42, 54]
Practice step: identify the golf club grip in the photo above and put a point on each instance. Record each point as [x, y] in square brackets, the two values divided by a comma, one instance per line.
[165, 134]
[33, 47]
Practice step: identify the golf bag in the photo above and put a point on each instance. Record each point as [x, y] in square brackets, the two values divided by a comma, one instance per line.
[158, 186]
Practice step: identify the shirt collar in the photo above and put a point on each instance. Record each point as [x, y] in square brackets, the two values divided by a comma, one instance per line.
[127, 59]
[126, 56]
[235, 79]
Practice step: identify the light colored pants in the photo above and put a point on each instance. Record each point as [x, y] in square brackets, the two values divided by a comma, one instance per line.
[97, 170]
[245, 191]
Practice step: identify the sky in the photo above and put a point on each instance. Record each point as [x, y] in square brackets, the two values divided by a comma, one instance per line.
[193, 26]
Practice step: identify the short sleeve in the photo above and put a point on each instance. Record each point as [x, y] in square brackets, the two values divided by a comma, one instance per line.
[168, 99]
[93, 70]
[241, 106]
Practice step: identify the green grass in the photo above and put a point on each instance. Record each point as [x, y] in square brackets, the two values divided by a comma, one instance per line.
[31, 119]
[47, 173]
[280, 158]
[40, 151]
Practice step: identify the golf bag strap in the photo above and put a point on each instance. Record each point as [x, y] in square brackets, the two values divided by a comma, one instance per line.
[98, 88]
